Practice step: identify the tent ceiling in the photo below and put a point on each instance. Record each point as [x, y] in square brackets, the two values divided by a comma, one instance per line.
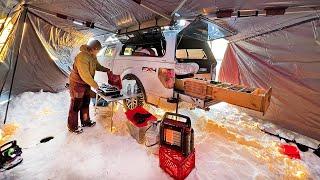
[5, 6]
[196, 7]
[65, 25]
[113, 15]
[254, 26]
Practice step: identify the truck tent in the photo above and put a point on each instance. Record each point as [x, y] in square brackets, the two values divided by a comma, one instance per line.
[276, 45]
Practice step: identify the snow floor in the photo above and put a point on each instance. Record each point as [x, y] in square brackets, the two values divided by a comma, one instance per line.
[229, 145]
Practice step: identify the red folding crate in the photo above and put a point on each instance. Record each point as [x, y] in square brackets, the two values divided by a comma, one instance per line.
[175, 164]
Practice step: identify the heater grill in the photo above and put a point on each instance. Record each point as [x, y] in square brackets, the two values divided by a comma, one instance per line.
[172, 137]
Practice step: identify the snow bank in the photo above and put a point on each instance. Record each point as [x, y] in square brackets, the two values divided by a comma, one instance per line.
[229, 145]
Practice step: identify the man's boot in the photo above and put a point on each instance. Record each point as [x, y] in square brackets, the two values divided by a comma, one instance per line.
[84, 113]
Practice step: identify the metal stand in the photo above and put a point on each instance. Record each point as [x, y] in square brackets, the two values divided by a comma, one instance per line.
[112, 107]
[111, 118]
[177, 103]
[113, 101]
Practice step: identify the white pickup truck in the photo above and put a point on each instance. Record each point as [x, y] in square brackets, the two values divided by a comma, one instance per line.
[156, 57]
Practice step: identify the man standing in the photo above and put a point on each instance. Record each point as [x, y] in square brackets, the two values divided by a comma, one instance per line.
[80, 80]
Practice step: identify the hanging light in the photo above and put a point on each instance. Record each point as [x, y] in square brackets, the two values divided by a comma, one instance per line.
[182, 22]
[77, 23]
[247, 13]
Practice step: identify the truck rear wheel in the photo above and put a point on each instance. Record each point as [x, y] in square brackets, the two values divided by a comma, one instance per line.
[135, 102]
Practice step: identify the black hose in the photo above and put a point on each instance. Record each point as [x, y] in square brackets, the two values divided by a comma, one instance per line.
[301, 147]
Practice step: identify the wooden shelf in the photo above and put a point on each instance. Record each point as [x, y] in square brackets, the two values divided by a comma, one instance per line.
[257, 99]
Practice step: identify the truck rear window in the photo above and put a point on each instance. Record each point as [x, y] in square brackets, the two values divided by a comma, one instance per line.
[190, 54]
[133, 50]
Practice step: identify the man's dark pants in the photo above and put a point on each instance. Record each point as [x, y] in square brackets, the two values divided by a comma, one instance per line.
[80, 101]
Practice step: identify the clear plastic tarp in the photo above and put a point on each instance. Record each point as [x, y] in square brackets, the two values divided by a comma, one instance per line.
[288, 60]
[205, 30]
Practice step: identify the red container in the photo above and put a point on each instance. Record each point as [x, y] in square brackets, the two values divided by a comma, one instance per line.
[130, 114]
[175, 164]
[136, 130]
[290, 151]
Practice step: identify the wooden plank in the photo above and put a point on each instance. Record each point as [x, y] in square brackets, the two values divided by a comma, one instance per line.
[206, 76]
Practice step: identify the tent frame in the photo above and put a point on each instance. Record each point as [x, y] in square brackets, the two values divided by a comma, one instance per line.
[19, 34]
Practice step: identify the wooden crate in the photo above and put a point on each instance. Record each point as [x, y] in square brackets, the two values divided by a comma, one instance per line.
[206, 76]
[258, 99]
[196, 88]
[179, 84]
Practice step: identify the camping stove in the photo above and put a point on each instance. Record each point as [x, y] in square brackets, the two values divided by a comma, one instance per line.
[109, 90]
[10, 156]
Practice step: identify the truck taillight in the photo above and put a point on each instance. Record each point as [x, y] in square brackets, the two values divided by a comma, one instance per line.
[166, 77]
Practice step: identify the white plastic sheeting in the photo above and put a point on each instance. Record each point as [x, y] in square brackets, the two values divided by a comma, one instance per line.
[229, 145]
[111, 14]
[44, 59]
[5, 6]
[288, 60]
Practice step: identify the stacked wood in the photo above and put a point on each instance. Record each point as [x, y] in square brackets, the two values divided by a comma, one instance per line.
[196, 88]
[257, 99]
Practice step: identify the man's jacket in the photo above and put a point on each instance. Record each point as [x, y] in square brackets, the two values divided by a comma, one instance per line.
[84, 67]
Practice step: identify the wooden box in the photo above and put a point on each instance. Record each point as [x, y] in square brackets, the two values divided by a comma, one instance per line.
[252, 98]
[196, 88]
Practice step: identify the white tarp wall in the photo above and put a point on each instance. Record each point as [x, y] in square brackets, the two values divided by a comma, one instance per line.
[288, 60]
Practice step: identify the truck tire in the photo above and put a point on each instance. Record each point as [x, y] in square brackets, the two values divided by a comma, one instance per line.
[135, 102]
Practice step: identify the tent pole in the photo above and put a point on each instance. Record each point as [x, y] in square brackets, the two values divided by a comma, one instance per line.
[20, 33]
[178, 7]
[152, 10]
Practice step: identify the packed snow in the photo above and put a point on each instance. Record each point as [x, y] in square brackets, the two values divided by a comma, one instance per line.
[228, 143]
